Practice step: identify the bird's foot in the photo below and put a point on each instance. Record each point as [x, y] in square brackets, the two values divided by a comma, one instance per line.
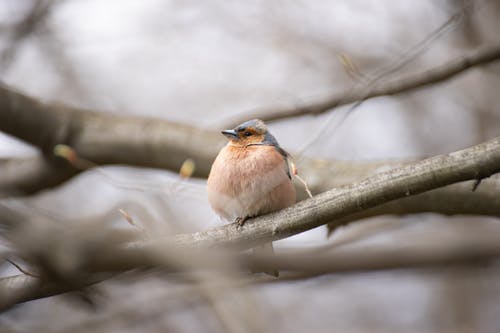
[240, 221]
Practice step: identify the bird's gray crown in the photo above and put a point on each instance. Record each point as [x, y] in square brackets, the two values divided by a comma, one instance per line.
[258, 124]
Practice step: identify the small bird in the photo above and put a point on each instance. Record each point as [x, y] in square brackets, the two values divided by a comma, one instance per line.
[251, 174]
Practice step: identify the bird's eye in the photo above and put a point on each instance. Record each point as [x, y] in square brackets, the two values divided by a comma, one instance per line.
[247, 133]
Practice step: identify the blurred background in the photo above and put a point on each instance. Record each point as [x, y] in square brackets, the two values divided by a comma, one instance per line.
[206, 63]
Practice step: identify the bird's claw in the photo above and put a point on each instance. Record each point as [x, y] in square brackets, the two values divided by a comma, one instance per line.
[240, 222]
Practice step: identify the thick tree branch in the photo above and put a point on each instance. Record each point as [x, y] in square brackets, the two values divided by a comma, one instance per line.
[450, 200]
[432, 76]
[105, 138]
[477, 250]
[476, 162]
[472, 250]
[28, 175]
[22, 288]
[323, 175]
[472, 163]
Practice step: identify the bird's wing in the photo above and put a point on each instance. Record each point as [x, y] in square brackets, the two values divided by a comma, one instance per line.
[286, 157]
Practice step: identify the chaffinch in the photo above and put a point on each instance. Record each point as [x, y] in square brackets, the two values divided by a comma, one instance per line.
[251, 174]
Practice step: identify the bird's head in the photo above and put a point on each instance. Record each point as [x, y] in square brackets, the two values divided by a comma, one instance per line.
[252, 132]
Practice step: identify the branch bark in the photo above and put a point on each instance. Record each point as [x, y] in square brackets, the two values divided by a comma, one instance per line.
[473, 163]
[429, 77]
[23, 176]
[450, 200]
[105, 138]
[472, 250]
[477, 162]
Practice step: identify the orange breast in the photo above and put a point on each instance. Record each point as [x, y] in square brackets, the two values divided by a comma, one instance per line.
[249, 181]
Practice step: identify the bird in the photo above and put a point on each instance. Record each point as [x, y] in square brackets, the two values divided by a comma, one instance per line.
[251, 175]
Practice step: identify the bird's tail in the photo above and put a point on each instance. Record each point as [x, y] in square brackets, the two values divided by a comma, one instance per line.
[266, 250]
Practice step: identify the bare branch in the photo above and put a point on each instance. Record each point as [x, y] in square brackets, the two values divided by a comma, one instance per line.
[106, 138]
[21, 288]
[476, 162]
[473, 250]
[22, 176]
[450, 200]
[432, 76]
[19, 268]
[469, 250]
[34, 19]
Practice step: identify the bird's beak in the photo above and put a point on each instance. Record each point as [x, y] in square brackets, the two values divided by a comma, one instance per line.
[230, 134]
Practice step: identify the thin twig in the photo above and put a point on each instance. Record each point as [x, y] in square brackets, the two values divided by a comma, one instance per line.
[22, 270]
[34, 19]
[426, 78]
